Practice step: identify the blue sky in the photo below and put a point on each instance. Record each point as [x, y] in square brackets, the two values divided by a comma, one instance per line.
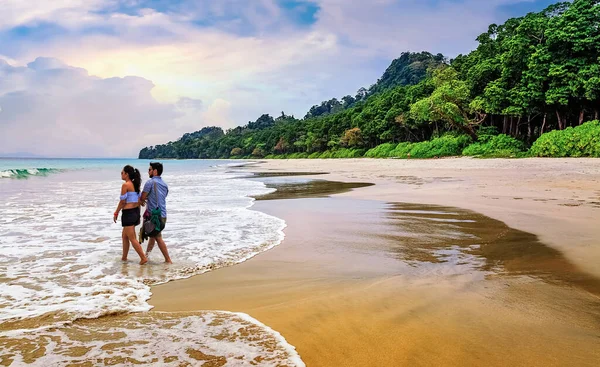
[521, 8]
[200, 63]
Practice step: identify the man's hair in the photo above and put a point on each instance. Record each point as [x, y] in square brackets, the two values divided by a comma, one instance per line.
[157, 166]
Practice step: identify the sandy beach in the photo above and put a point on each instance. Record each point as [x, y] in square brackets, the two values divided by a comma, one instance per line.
[453, 262]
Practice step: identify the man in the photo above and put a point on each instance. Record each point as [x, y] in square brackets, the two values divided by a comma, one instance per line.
[156, 198]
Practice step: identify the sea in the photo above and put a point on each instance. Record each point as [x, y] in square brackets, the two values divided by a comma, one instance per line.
[60, 263]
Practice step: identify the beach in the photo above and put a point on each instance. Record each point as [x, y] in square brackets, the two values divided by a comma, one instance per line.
[67, 298]
[455, 262]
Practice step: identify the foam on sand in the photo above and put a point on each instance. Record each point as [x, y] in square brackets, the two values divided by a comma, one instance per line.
[166, 339]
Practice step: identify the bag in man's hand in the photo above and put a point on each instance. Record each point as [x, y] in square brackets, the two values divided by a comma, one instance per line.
[152, 222]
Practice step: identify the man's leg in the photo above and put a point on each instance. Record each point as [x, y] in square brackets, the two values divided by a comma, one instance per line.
[163, 248]
[161, 243]
[150, 245]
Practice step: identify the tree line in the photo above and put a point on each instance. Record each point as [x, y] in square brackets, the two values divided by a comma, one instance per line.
[528, 76]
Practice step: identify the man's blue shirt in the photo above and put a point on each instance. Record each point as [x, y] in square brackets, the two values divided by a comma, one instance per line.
[157, 199]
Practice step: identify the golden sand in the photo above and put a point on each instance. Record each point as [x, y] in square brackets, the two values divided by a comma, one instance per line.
[366, 283]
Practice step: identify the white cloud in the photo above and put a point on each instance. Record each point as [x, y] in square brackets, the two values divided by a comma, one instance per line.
[274, 66]
[67, 12]
[52, 109]
[211, 65]
[219, 114]
[187, 103]
[388, 27]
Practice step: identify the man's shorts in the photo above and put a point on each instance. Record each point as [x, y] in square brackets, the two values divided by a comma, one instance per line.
[163, 223]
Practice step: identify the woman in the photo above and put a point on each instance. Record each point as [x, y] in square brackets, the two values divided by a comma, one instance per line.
[130, 193]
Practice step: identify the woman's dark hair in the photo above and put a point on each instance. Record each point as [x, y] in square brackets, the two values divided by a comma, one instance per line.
[157, 166]
[134, 176]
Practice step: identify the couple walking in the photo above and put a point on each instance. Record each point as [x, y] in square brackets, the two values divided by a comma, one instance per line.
[154, 196]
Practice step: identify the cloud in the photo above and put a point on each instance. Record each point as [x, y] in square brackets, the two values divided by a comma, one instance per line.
[67, 12]
[204, 62]
[219, 114]
[186, 103]
[387, 28]
[211, 65]
[52, 109]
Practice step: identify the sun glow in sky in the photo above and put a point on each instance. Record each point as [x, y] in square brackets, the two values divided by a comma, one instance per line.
[108, 77]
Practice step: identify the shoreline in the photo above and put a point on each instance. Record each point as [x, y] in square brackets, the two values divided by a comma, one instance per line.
[336, 312]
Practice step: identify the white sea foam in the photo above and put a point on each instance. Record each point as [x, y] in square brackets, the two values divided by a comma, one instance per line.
[60, 251]
[165, 339]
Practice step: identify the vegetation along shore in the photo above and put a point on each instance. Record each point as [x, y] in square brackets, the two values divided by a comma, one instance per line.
[530, 88]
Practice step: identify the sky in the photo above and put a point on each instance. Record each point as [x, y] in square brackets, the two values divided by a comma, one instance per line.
[105, 78]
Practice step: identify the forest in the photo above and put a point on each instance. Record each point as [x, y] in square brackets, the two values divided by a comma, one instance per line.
[530, 88]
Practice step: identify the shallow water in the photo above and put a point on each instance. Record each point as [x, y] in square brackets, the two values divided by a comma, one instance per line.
[60, 251]
[452, 235]
[60, 257]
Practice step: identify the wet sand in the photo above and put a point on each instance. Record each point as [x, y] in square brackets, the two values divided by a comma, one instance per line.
[385, 283]
[557, 199]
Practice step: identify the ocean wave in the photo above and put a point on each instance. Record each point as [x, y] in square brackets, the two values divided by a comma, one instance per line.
[23, 173]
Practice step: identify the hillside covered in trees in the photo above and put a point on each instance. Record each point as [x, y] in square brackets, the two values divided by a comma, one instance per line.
[528, 76]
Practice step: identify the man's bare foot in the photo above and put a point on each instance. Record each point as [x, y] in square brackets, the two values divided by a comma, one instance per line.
[123, 259]
[144, 261]
[168, 261]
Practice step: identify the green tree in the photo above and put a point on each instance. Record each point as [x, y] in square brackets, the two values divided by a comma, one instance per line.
[449, 103]
[282, 146]
[352, 138]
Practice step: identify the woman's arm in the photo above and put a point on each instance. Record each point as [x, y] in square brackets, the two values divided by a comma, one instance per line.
[121, 202]
[145, 192]
[143, 198]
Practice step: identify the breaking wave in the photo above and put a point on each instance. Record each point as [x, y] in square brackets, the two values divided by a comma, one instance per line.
[23, 173]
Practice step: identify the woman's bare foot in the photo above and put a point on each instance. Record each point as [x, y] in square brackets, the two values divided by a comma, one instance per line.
[168, 262]
[144, 261]
[123, 259]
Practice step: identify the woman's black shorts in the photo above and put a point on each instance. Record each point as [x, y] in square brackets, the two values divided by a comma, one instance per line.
[130, 217]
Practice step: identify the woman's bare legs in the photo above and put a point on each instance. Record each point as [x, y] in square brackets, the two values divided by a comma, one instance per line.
[130, 231]
[125, 245]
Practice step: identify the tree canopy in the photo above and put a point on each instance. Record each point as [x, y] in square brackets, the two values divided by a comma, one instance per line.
[530, 75]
